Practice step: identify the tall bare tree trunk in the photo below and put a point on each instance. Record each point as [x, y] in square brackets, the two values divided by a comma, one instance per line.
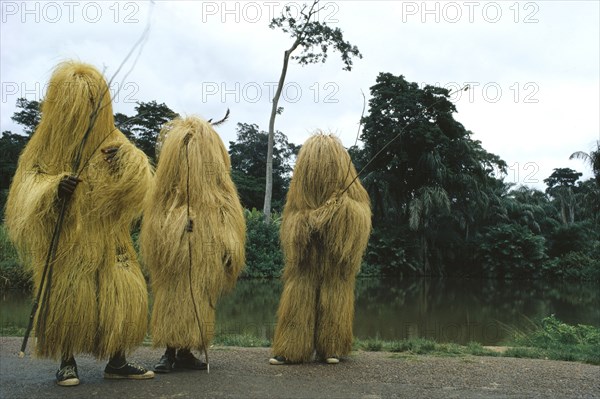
[286, 59]
[269, 175]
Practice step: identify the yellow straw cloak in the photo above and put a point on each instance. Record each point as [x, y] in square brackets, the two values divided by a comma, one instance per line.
[217, 237]
[324, 234]
[98, 297]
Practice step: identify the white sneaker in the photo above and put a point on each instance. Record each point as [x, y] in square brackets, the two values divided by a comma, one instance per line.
[332, 360]
[277, 360]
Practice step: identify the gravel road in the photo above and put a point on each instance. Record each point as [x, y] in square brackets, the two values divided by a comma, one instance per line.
[245, 373]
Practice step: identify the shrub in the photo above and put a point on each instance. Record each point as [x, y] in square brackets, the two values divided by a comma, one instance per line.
[573, 265]
[510, 250]
[264, 257]
[12, 274]
[556, 340]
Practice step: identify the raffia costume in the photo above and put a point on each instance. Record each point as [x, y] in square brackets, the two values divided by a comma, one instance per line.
[98, 297]
[191, 149]
[324, 234]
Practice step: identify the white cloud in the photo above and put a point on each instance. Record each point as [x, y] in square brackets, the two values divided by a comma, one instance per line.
[198, 64]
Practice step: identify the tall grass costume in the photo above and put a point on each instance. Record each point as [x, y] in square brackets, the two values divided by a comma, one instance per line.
[95, 299]
[324, 233]
[192, 239]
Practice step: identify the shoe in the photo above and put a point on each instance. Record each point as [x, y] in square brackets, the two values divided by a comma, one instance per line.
[67, 375]
[165, 364]
[332, 360]
[277, 360]
[128, 370]
[186, 360]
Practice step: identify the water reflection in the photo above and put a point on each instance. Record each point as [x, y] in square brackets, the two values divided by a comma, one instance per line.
[448, 310]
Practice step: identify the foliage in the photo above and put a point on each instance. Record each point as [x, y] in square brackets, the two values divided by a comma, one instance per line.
[593, 158]
[576, 237]
[29, 115]
[509, 251]
[562, 177]
[144, 127]
[561, 186]
[432, 177]
[421, 346]
[12, 274]
[556, 340]
[552, 339]
[248, 162]
[241, 340]
[307, 33]
[574, 265]
[11, 146]
[263, 252]
[387, 253]
[425, 171]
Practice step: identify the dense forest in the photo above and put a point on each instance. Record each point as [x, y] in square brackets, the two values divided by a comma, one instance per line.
[440, 204]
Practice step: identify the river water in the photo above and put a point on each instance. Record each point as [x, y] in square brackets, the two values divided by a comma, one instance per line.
[447, 310]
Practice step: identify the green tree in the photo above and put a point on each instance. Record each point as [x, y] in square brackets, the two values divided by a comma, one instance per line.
[11, 146]
[511, 251]
[145, 126]
[314, 38]
[29, 115]
[429, 200]
[248, 159]
[560, 186]
[264, 257]
[124, 124]
[587, 198]
[416, 149]
[529, 207]
[593, 158]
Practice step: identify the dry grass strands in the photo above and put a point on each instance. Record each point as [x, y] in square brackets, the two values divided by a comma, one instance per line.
[324, 235]
[98, 298]
[217, 237]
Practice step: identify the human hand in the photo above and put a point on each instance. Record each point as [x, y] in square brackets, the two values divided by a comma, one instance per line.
[189, 227]
[109, 153]
[67, 186]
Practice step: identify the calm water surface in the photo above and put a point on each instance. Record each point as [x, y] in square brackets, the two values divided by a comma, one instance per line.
[448, 310]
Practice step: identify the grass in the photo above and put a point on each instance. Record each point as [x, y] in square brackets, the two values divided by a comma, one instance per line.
[12, 331]
[421, 346]
[242, 340]
[551, 339]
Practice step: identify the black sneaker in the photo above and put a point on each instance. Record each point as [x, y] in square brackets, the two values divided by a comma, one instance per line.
[67, 375]
[278, 360]
[165, 364]
[186, 360]
[128, 370]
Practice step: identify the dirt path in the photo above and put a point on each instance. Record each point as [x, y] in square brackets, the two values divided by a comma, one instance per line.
[245, 373]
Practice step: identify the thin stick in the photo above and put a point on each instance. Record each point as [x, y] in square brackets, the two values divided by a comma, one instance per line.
[46, 280]
[217, 123]
[464, 88]
[357, 132]
[189, 227]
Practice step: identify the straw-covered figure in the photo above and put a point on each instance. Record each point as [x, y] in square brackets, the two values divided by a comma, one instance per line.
[192, 240]
[95, 298]
[324, 233]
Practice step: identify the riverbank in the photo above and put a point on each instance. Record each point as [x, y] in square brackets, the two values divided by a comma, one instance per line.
[551, 340]
[245, 373]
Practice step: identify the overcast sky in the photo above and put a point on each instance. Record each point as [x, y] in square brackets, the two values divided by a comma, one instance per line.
[533, 66]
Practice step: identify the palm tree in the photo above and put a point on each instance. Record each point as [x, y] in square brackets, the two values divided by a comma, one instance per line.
[593, 158]
[428, 200]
